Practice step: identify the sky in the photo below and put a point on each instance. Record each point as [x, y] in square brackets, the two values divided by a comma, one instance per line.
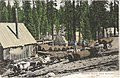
[58, 2]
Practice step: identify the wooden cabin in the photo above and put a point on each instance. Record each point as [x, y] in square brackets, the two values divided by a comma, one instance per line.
[16, 44]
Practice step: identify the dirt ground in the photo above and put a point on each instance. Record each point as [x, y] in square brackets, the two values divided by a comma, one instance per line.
[94, 64]
[66, 68]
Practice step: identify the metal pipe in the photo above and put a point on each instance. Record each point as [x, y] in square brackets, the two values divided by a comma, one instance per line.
[16, 22]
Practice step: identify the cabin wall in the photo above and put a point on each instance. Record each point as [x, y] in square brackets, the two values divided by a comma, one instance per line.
[6, 54]
[32, 50]
[19, 52]
[1, 52]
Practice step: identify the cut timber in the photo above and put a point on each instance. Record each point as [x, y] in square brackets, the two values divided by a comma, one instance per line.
[110, 51]
[84, 53]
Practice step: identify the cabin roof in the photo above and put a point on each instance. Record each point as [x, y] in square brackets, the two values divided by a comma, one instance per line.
[8, 37]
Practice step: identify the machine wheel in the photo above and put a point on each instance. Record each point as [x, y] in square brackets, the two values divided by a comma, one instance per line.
[70, 58]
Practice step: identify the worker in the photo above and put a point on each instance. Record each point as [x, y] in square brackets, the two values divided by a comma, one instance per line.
[75, 46]
[83, 44]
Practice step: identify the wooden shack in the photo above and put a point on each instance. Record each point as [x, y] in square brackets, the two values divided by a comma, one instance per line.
[16, 46]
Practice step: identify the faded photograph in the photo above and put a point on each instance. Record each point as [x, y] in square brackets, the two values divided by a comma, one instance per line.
[58, 38]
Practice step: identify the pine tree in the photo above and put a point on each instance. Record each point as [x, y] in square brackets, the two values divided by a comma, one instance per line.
[35, 20]
[50, 15]
[61, 15]
[57, 20]
[74, 22]
[116, 16]
[44, 20]
[78, 13]
[20, 15]
[28, 21]
[84, 20]
[97, 17]
[3, 11]
[39, 12]
[68, 20]
[19, 11]
[9, 8]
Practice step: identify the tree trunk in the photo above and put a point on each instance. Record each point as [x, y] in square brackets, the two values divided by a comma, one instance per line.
[68, 34]
[52, 33]
[95, 35]
[74, 26]
[98, 33]
[106, 32]
[114, 31]
[79, 37]
[103, 33]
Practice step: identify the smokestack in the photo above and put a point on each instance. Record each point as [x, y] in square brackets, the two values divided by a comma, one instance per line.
[16, 22]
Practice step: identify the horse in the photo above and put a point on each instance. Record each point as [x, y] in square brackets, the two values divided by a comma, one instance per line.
[18, 67]
[103, 45]
[14, 68]
[47, 60]
[24, 65]
[35, 64]
[107, 44]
